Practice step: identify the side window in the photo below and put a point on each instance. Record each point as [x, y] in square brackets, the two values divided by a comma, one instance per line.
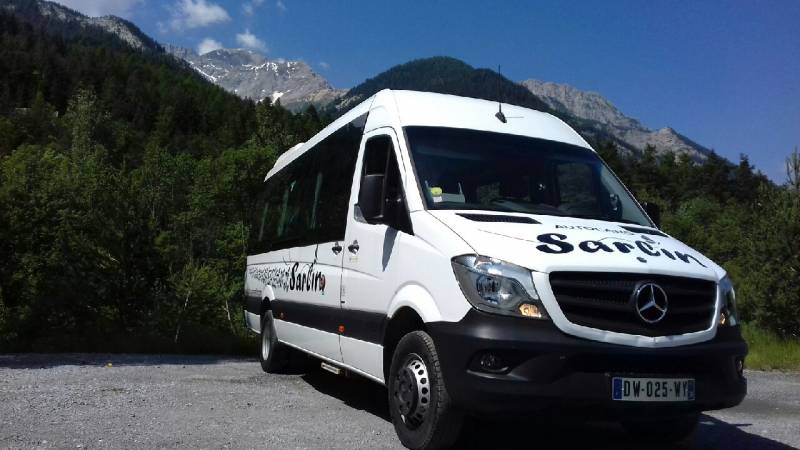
[376, 154]
[306, 202]
[271, 201]
[337, 162]
[380, 159]
[265, 219]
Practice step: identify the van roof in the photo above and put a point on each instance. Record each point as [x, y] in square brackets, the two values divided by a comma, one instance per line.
[414, 108]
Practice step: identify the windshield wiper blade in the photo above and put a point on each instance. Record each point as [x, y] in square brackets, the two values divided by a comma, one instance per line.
[585, 216]
[608, 219]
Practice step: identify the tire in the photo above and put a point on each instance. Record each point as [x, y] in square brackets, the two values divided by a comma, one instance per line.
[415, 380]
[273, 355]
[668, 430]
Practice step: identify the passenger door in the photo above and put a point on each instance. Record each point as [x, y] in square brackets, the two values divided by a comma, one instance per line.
[368, 278]
[306, 303]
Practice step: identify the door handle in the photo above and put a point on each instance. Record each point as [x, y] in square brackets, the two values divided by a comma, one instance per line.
[336, 248]
[353, 247]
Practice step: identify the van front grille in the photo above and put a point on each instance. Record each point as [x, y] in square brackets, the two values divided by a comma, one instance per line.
[605, 301]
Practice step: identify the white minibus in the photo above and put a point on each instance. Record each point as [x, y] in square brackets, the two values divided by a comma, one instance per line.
[481, 259]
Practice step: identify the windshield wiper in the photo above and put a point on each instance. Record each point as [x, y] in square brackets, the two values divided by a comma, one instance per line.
[585, 216]
[607, 219]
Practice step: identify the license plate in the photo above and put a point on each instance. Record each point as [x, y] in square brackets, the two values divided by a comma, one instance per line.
[652, 389]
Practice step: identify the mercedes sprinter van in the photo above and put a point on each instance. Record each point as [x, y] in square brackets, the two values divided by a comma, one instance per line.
[482, 261]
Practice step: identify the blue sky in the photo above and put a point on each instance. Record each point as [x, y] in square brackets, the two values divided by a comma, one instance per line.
[726, 74]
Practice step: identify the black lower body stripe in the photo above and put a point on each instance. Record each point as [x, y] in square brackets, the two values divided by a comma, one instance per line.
[252, 302]
[362, 325]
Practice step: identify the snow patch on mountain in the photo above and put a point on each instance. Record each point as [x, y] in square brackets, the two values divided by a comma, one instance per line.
[250, 74]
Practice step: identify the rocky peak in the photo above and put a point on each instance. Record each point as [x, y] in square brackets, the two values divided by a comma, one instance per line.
[252, 75]
[598, 113]
[583, 104]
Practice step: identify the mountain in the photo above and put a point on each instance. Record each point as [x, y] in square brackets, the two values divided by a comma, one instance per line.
[591, 114]
[50, 56]
[451, 76]
[251, 75]
[60, 20]
[444, 75]
[596, 115]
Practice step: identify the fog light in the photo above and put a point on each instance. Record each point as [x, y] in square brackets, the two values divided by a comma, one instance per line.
[492, 363]
[723, 318]
[529, 310]
[740, 366]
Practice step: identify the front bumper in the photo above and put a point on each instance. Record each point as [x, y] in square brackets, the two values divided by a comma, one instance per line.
[547, 369]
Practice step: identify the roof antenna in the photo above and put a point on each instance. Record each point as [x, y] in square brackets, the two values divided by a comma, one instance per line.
[500, 116]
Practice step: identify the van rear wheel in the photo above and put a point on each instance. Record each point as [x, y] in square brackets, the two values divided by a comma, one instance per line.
[273, 356]
[421, 410]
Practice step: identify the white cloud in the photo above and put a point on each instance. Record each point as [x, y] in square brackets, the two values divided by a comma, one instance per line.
[208, 45]
[196, 14]
[324, 65]
[281, 6]
[249, 8]
[249, 40]
[94, 8]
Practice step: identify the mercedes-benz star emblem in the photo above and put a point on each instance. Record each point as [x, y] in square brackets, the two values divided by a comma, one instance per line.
[650, 302]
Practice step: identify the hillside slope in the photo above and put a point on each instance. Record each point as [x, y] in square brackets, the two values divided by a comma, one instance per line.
[62, 21]
[596, 113]
[444, 75]
[48, 57]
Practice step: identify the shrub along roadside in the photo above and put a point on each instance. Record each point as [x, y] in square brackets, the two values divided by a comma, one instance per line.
[770, 352]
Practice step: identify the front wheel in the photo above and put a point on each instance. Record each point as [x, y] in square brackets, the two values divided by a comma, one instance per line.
[667, 430]
[421, 410]
[273, 355]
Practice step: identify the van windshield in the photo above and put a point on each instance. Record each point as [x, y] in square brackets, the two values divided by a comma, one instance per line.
[479, 170]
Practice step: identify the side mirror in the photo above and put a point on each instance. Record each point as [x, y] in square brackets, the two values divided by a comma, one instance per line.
[370, 198]
[654, 211]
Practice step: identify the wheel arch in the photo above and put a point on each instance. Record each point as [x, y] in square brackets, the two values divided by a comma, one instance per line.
[404, 321]
[411, 308]
[267, 294]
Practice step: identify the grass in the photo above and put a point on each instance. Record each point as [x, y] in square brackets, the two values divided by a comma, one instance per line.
[770, 352]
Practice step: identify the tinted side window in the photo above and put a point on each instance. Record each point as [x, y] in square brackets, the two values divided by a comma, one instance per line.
[295, 213]
[307, 201]
[337, 162]
[380, 158]
[376, 152]
[270, 213]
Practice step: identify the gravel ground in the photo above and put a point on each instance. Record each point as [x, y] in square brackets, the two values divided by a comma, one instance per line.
[134, 401]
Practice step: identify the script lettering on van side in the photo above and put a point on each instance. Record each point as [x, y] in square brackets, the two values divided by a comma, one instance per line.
[294, 278]
[555, 243]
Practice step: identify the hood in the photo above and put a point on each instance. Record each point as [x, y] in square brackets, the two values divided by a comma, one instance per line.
[552, 243]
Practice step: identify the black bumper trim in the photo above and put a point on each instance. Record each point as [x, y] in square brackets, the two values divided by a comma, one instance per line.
[548, 369]
[252, 302]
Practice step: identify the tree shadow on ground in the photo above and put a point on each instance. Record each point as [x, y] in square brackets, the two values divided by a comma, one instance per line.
[48, 360]
[542, 432]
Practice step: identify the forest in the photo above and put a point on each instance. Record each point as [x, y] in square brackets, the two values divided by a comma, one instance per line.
[127, 188]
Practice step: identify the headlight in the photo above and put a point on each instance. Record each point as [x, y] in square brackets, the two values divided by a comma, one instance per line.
[728, 315]
[498, 287]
